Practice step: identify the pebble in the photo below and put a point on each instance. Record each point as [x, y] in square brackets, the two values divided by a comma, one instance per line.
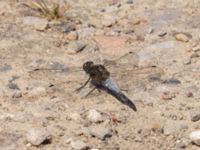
[17, 94]
[38, 23]
[72, 36]
[181, 37]
[190, 94]
[194, 55]
[54, 65]
[108, 20]
[168, 96]
[196, 48]
[36, 136]
[79, 145]
[172, 81]
[129, 1]
[36, 63]
[69, 27]
[101, 132]
[5, 68]
[181, 144]
[37, 91]
[74, 116]
[76, 46]
[13, 86]
[169, 128]
[195, 137]
[162, 34]
[195, 115]
[187, 61]
[94, 116]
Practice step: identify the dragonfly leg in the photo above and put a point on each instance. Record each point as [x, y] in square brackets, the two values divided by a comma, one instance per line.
[78, 89]
[90, 92]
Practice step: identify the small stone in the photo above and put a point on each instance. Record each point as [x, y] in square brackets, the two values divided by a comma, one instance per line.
[57, 66]
[194, 55]
[101, 132]
[168, 96]
[108, 20]
[169, 128]
[183, 126]
[181, 144]
[72, 36]
[74, 116]
[38, 23]
[37, 91]
[138, 139]
[171, 81]
[190, 94]
[17, 94]
[37, 136]
[36, 63]
[150, 30]
[187, 61]
[13, 86]
[195, 137]
[5, 68]
[69, 27]
[94, 116]
[162, 34]
[76, 46]
[79, 145]
[182, 37]
[195, 115]
[196, 48]
[129, 1]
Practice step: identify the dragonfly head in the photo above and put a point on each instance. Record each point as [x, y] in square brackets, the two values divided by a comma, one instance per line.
[87, 66]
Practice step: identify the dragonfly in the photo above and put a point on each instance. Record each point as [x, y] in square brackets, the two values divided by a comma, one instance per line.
[116, 77]
[100, 78]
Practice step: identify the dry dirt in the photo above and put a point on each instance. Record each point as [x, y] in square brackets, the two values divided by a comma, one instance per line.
[151, 49]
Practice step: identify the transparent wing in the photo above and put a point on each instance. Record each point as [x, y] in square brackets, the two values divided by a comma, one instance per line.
[129, 76]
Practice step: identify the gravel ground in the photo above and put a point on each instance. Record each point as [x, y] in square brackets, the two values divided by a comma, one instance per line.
[151, 49]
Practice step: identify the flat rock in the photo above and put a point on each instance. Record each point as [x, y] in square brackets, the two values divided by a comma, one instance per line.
[79, 145]
[195, 137]
[163, 52]
[76, 46]
[100, 132]
[37, 91]
[36, 136]
[108, 20]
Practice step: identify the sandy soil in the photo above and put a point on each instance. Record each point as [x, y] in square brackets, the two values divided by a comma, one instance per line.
[151, 49]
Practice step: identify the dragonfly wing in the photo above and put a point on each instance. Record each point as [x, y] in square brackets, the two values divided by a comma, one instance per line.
[111, 87]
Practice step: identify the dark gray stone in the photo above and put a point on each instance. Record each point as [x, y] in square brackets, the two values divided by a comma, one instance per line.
[195, 115]
[5, 68]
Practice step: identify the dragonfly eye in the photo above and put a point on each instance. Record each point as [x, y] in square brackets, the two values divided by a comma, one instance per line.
[87, 65]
